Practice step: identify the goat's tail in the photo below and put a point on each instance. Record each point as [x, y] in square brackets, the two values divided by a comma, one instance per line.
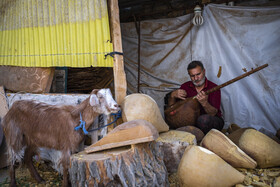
[15, 141]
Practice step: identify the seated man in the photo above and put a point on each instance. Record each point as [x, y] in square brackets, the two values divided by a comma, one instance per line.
[210, 113]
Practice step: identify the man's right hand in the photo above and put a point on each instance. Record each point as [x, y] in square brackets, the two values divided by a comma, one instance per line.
[180, 93]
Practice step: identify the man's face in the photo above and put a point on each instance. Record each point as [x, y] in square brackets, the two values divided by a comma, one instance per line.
[197, 76]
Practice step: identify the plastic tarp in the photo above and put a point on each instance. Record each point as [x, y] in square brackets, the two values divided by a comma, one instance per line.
[232, 39]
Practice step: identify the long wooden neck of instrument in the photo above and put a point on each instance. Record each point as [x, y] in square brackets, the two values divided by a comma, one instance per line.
[235, 79]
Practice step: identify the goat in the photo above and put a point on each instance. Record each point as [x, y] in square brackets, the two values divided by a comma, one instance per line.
[29, 125]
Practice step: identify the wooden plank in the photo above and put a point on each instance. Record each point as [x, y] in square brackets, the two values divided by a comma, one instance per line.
[129, 133]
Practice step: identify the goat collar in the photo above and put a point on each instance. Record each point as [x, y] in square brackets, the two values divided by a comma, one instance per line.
[82, 125]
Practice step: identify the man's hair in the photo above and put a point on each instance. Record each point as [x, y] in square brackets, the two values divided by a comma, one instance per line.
[194, 64]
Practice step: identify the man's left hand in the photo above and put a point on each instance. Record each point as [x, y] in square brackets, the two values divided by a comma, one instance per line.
[202, 98]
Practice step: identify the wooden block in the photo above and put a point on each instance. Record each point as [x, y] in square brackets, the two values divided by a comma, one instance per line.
[132, 132]
[26, 79]
[174, 143]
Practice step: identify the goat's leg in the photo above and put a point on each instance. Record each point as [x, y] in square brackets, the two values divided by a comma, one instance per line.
[65, 163]
[29, 153]
[12, 176]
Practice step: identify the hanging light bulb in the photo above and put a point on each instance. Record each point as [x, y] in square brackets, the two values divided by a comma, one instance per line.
[198, 19]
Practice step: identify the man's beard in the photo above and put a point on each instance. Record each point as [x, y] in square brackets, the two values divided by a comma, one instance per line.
[200, 83]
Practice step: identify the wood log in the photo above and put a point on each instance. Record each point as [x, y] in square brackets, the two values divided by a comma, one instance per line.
[136, 165]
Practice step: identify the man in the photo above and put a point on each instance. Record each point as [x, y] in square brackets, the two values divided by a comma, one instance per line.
[210, 113]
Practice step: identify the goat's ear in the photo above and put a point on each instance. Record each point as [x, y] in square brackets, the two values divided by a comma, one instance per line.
[94, 91]
[93, 100]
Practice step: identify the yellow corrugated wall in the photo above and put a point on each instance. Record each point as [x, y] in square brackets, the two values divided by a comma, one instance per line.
[46, 33]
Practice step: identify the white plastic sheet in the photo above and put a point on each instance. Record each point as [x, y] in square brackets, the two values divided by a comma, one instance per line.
[235, 39]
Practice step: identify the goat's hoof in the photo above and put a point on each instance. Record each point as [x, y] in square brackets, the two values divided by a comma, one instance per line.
[40, 180]
[13, 184]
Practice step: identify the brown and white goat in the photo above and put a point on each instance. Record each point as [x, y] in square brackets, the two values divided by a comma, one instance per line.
[29, 125]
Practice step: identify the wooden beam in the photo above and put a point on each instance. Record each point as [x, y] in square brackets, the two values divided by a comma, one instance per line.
[118, 69]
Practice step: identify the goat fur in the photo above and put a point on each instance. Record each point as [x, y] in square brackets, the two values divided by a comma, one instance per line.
[30, 125]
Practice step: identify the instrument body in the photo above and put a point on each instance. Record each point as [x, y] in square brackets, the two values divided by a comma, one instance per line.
[185, 112]
[185, 115]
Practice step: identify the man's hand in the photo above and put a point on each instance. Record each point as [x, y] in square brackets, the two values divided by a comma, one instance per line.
[180, 93]
[202, 98]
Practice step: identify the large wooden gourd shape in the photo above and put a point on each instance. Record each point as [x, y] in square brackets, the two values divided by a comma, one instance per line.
[261, 148]
[185, 115]
[141, 106]
[221, 145]
[201, 167]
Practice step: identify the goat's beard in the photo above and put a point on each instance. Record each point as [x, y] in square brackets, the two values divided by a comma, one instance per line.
[199, 83]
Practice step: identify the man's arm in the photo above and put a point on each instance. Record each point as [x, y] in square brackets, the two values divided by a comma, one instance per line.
[203, 100]
[180, 94]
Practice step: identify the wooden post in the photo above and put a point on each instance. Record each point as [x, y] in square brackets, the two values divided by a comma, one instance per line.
[118, 69]
[119, 74]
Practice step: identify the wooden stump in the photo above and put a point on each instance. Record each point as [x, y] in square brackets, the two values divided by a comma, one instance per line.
[173, 144]
[136, 165]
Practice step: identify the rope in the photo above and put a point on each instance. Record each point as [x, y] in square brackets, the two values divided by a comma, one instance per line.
[113, 53]
[116, 117]
[83, 123]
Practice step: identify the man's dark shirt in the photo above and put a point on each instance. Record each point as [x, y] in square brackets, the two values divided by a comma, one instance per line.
[214, 98]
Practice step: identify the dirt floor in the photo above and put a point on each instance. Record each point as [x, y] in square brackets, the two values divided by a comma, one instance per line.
[24, 178]
[254, 177]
